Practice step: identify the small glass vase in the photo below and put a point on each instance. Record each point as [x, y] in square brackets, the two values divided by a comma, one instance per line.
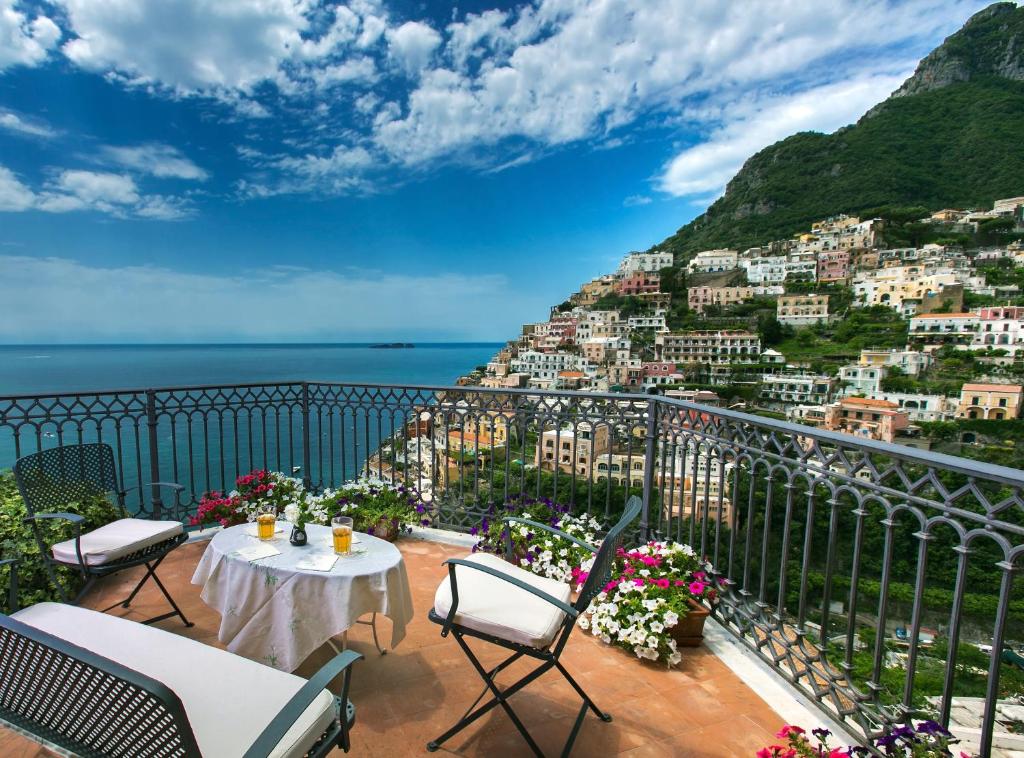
[298, 536]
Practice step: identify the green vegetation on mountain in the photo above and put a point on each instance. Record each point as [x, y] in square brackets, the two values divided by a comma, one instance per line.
[951, 136]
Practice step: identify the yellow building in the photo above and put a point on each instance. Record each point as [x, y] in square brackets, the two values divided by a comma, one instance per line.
[990, 401]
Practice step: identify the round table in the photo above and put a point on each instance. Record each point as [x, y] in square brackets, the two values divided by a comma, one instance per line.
[276, 613]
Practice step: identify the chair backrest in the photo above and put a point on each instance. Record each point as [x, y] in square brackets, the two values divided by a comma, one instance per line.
[52, 478]
[601, 570]
[85, 703]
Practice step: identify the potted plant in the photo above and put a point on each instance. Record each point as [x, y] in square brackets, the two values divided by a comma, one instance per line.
[253, 490]
[380, 508]
[536, 550]
[651, 605]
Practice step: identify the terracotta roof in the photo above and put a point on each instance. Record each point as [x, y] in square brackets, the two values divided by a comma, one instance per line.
[571, 374]
[947, 315]
[868, 402]
[991, 388]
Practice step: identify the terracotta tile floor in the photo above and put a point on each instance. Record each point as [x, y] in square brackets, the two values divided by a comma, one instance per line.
[418, 690]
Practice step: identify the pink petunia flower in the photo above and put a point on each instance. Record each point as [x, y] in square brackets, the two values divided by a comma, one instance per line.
[787, 730]
[696, 588]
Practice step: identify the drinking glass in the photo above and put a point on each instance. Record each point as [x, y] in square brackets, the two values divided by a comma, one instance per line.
[266, 522]
[341, 528]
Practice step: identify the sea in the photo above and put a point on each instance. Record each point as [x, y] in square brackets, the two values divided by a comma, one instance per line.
[186, 455]
[48, 369]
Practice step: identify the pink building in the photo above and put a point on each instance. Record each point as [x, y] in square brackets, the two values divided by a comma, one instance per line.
[639, 282]
[833, 265]
[659, 368]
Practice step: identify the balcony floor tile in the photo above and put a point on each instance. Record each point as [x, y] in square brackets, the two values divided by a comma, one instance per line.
[416, 691]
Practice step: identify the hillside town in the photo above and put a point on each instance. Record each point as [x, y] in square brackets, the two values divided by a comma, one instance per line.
[766, 329]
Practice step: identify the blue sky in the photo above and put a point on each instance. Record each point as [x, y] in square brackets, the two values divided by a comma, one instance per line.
[266, 170]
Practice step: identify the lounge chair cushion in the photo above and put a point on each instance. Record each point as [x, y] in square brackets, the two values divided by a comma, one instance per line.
[229, 700]
[116, 540]
[489, 605]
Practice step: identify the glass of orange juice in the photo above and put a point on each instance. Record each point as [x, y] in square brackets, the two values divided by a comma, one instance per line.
[341, 529]
[266, 522]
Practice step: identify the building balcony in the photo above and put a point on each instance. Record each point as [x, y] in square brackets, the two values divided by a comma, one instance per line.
[834, 554]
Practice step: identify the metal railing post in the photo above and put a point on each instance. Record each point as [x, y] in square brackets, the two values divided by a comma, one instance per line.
[650, 455]
[154, 454]
[307, 480]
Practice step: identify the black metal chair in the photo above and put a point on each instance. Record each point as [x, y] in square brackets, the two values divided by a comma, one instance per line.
[50, 479]
[530, 615]
[100, 685]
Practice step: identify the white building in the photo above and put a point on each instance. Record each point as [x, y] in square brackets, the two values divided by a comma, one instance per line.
[765, 269]
[861, 380]
[921, 407]
[910, 362]
[1000, 327]
[801, 388]
[657, 322]
[709, 261]
[943, 328]
[546, 366]
[650, 263]
[708, 346]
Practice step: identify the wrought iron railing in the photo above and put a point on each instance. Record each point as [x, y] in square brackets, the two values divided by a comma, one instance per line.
[870, 575]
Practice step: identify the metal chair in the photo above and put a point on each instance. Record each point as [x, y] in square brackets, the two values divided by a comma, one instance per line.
[530, 615]
[50, 479]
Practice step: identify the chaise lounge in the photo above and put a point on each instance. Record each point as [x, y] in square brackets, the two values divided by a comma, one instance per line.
[100, 685]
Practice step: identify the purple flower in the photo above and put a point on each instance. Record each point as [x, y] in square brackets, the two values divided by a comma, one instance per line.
[474, 531]
[529, 557]
[421, 508]
[821, 734]
[369, 530]
[425, 522]
[933, 728]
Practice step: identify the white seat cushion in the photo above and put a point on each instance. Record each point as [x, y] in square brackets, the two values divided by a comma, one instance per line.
[490, 605]
[116, 540]
[229, 700]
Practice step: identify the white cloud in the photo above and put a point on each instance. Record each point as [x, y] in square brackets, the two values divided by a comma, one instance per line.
[57, 299]
[560, 71]
[77, 190]
[634, 200]
[752, 125]
[361, 69]
[163, 161]
[495, 88]
[412, 45]
[14, 196]
[187, 45]
[24, 41]
[12, 122]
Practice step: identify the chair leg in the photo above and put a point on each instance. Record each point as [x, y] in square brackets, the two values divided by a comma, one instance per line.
[587, 702]
[500, 698]
[150, 574]
[89, 582]
[61, 589]
[177, 610]
[145, 578]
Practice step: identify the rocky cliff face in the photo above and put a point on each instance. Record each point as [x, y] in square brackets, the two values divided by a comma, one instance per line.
[991, 43]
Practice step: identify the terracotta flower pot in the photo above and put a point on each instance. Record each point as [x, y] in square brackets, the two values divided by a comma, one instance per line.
[385, 529]
[689, 632]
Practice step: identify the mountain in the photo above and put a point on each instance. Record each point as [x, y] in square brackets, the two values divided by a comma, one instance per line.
[951, 136]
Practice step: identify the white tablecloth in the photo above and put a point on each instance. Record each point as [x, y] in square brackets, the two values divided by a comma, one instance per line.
[276, 614]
